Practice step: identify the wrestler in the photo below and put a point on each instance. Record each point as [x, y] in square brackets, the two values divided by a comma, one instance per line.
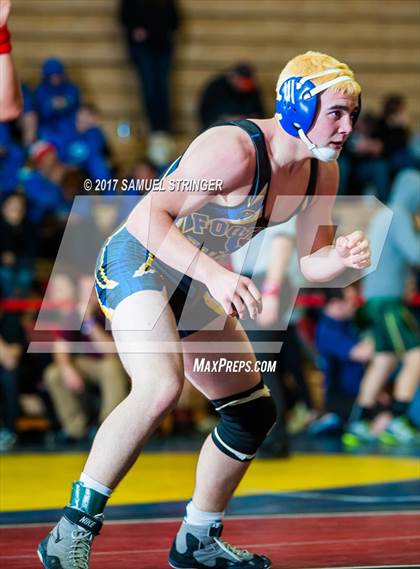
[160, 281]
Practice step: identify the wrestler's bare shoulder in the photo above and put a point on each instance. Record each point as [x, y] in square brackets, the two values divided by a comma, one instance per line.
[225, 152]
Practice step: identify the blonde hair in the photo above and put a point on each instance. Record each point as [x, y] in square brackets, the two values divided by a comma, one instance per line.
[313, 62]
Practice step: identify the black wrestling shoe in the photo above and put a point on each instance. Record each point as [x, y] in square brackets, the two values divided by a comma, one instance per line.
[200, 547]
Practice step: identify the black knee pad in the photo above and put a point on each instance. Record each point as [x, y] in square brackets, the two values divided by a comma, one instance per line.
[245, 420]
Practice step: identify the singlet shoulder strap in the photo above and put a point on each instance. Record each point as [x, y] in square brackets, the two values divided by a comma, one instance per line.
[311, 188]
[313, 175]
[262, 175]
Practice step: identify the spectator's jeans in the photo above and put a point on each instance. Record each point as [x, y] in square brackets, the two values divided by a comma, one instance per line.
[106, 372]
[153, 67]
[9, 390]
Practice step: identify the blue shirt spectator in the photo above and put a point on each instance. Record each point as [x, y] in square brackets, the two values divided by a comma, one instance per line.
[342, 354]
[84, 144]
[56, 100]
[42, 192]
[335, 355]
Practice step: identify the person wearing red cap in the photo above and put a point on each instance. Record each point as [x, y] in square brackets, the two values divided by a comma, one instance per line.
[42, 190]
[41, 149]
[11, 103]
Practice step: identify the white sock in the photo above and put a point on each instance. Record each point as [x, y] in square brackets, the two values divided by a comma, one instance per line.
[197, 517]
[94, 485]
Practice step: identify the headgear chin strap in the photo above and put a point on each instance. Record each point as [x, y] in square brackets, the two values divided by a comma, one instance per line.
[296, 107]
[323, 153]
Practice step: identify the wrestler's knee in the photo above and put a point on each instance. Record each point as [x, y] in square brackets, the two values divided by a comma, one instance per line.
[162, 395]
[245, 420]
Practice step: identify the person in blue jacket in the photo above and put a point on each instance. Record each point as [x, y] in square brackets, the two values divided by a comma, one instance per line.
[84, 145]
[56, 100]
[42, 192]
[341, 360]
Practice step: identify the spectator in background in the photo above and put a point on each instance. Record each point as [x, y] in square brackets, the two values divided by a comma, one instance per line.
[56, 100]
[42, 184]
[10, 95]
[150, 27]
[84, 145]
[231, 96]
[47, 207]
[12, 347]
[68, 376]
[394, 130]
[394, 328]
[363, 164]
[12, 158]
[72, 183]
[17, 247]
[343, 356]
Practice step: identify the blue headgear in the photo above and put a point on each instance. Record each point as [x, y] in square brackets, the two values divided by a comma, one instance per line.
[296, 107]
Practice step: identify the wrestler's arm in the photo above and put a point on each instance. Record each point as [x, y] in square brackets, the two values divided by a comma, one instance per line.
[320, 259]
[224, 153]
[11, 102]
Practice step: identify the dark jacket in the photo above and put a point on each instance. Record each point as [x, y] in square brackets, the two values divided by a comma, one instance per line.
[220, 101]
[159, 18]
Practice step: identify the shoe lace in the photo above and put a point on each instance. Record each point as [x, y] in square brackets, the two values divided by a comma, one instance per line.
[80, 549]
[242, 554]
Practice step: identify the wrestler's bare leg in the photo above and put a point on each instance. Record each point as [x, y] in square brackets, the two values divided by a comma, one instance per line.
[156, 384]
[217, 474]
